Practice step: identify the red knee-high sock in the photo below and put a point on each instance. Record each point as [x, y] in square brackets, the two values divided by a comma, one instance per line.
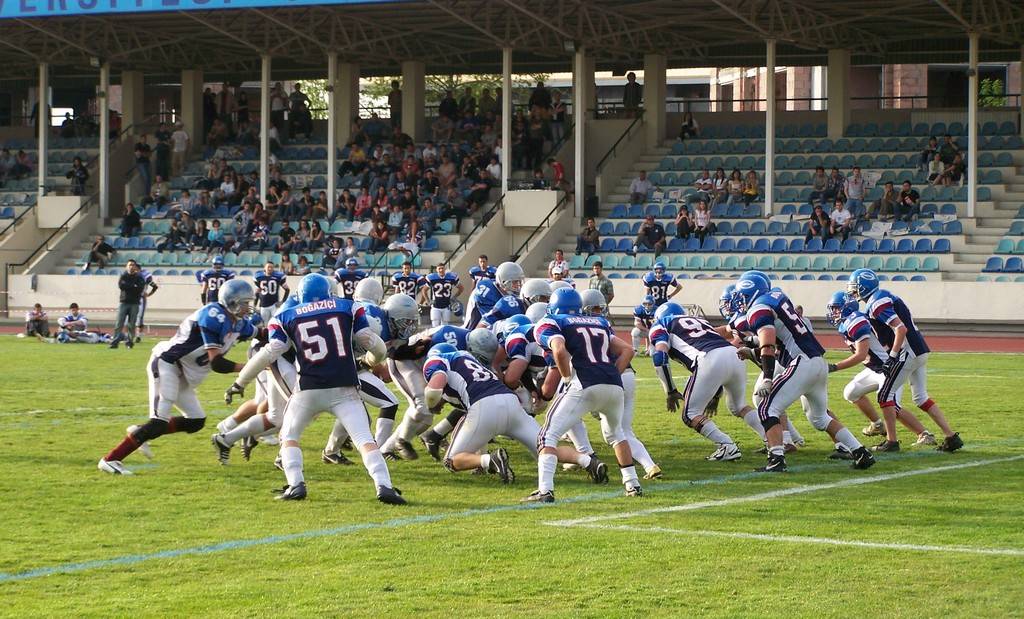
[927, 404]
[123, 449]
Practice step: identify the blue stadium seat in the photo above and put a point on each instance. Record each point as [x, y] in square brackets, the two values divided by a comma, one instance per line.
[606, 228]
[675, 245]
[758, 228]
[923, 246]
[742, 228]
[727, 245]
[624, 245]
[993, 265]
[744, 245]
[779, 245]
[607, 244]
[905, 246]
[692, 244]
[849, 246]
[1013, 265]
[724, 228]
[636, 211]
[796, 245]
[885, 246]
[831, 246]
[622, 228]
[813, 245]
[762, 246]
[941, 246]
[953, 227]
[619, 211]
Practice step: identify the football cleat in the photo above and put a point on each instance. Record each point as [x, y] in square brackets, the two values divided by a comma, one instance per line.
[278, 463]
[653, 473]
[432, 441]
[875, 428]
[223, 449]
[925, 438]
[790, 447]
[840, 453]
[129, 344]
[597, 470]
[725, 452]
[775, 464]
[501, 466]
[248, 444]
[539, 497]
[293, 493]
[144, 448]
[634, 490]
[336, 458]
[391, 496]
[887, 445]
[114, 467]
[390, 456]
[862, 459]
[347, 444]
[951, 443]
[405, 451]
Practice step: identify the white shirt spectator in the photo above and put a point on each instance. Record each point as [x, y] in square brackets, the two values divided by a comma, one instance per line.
[180, 140]
[495, 170]
[429, 151]
[855, 188]
[840, 216]
[640, 185]
[561, 265]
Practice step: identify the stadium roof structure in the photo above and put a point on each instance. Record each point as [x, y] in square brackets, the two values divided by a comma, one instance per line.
[225, 38]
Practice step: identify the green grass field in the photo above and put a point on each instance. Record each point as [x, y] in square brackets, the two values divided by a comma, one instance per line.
[188, 537]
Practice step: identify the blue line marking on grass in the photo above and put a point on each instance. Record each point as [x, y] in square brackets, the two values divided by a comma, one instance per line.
[70, 568]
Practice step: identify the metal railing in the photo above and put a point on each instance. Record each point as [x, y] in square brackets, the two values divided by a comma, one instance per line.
[611, 151]
[484, 220]
[61, 228]
[543, 224]
[15, 221]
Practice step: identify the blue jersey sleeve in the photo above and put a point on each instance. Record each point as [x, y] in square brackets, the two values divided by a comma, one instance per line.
[359, 321]
[882, 309]
[214, 324]
[515, 345]
[545, 331]
[276, 329]
[760, 316]
[858, 329]
[649, 280]
[433, 366]
[659, 333]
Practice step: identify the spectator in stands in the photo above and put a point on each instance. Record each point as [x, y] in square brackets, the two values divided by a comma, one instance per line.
[209, 109]
[703, 226]
[558, 111]
[380, 237]
[841, 221]
[258, 237]
[639, 188]
[751, 188]
[588, 239]
[536, 134]
[131, 223]
[162, 166]
[356, 161]
[302, 268]
[632, 96]
[819, 186]
[218, 134]
[227, 193]
[448, 107]
[684, 224]
[480, 191]
[350, 249]
[558, 263]
[36, 323]
[818, 225]
[300, 242]
[317, 237]
[721, 186]
[345, 206]
[487, 103]
[395, 104]
[734, 187]
[286, 238]
[242, 109]
[160, 194]
[216, 241]
[651, 236]
[935, 169]
[836, 187]
[949, 149]
[885, 207]
[442, 129]
[494, 168]
[79, 175]
[539, 182]
[467, 102]
[142, 152]
[301, 117]
[22, 166]
[274, 140]
[952, 173]
[454, 206]
[278, 107]
[540, 101]
[176, 237]
[909, 207]
[6, 162]
[854, 188]
[356, 132]
[600, 282]
[199, 238]
[395, 220]
[428, 186]
[320, 206]
[705, 187]
[689, 128]
[100, 252]
[426, 218]
[928, 154]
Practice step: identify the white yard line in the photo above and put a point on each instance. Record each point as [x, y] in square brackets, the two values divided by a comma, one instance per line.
[775, 494]
[800, 539]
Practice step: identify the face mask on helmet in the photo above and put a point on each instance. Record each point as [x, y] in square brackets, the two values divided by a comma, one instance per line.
[648, 303]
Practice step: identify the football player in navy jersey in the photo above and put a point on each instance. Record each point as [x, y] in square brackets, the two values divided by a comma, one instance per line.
[658, 281]
[843, 313]
[894, 326]
[591, 359]
[444, 287]
[325, 331]
[271, 288]
[348, 277]
[643, 317]
[482, 270]
[178, 366]
[713, 364]
[408, 282]
[508, 280]
[213, 279]
[782, 334]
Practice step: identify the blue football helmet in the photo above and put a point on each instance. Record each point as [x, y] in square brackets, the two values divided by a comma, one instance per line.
[512, 323]
[863, 283]
[351, 263]
[441, 349]
[648, 303]
[218, 261]
[314, 287]
[659, 268]
[749, 287]
[669, 309]
[840, 305]
[759, 275]
[725, 302]
[565, 301]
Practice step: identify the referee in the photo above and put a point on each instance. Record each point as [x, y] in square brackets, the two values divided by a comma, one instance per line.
[132, 285]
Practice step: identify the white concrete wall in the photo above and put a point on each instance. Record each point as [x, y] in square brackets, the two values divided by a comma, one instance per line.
[950, 302]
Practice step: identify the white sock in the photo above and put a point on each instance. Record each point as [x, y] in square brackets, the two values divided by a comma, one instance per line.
[338, 436]
[384, 428]
[291, 461]
[546, 464]
[400, 432]
[227, 424]
[485, 462]
[847, 438]
[711, 432]
[793, 432]
[778, 450]
[583, 459]
[377, 468]
[640, 453]
[787, 437]
[636, 343]
[253, 426]
[629, 475]
[443, 427]
[752, 420]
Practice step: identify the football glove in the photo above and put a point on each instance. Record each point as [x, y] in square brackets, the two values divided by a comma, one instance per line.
[832, 367]
[763, 388]
[233, 390]
[673, 399]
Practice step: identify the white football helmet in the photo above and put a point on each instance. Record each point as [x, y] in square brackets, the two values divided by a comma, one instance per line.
[536, 291]
[369, 290]
[593, 302]
[509, 276]
[482, 344]
[237, 296]
[536, 312]
[559, 284]
[403, 315]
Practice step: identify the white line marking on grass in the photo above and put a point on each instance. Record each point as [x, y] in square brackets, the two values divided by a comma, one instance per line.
[800, 539]
[775, 494]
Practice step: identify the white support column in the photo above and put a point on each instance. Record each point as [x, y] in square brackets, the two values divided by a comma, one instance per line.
[837, 87]
[413, 99]
[191, 112]
[264, 125]
[103, 99]
[817, 88]
[332, 131]
[506, 118]
[769, 130]
[655, 93]
[43, 120]
[972, 125]
[346, 90]
[133, 100]
[582, 76]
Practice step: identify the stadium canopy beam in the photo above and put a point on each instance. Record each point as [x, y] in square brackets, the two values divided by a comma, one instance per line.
[769, 128]
[469, 22]
[290, 28]
[103, 98]
[58, 37]
[972, 124]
